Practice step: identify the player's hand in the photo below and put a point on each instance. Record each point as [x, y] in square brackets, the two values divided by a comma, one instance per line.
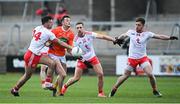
[48, 43]
[118, 41]
[173, 38]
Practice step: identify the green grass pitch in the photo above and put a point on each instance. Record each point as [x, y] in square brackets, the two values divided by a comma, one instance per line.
[134, 90]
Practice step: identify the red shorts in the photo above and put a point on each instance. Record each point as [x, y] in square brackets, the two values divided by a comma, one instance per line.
[31, 60]
[134, 62]
[92, 61]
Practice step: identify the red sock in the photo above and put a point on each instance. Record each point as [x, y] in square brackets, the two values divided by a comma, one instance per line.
[48, 79]
[100, 91]
[65, 86]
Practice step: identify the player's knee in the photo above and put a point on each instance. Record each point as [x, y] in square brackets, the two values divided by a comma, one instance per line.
[150, 75]
[52, 65]
[100, 75]
[28, 75]
[127, 73]
[63, 75]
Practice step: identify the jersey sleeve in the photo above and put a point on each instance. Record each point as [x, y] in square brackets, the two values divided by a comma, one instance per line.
[94, 35]
[151, 34]
[129, 33]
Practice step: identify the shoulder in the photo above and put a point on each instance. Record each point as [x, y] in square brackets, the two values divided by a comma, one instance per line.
[56, 29]
[131, 32]
[88, 32]
[48, 32]
[40, 26]
[148, 32]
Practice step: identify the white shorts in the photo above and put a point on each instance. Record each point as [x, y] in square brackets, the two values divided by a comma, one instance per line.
[60, 58]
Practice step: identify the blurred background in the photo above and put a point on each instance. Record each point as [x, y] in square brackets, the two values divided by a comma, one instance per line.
[111, 17]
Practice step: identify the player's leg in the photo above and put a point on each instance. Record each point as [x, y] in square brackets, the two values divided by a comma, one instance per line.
[27, 75]
[46, 60]
[99, 71]
[72, 80]
[120, 81]
[62, 59]
[56, 81]
[132, 64]
[77, 75]
[51, 67]
[61, 73]
[31, 62]
[49, 78]
[43, 75]
[148, 70]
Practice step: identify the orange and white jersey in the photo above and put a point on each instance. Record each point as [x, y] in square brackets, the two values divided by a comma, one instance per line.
[86, 44]
[40, 36]
[138, 41]
[65, 36]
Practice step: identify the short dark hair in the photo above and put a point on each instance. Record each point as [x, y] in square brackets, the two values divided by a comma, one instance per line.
[140, 19]
[45, 19]
[80, 23]
[66, 16]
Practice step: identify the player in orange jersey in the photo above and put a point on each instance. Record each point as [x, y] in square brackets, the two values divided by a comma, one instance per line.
[57, 52]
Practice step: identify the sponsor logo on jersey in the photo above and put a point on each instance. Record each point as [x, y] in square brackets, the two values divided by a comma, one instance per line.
[63, 39]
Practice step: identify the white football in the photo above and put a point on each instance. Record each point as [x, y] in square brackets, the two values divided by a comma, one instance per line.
[76, 51]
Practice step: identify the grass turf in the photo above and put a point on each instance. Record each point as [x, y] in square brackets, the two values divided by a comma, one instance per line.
[134, 90]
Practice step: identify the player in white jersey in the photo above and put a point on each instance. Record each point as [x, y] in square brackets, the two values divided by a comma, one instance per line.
[34, 56]
[138, 56]
[84, 40]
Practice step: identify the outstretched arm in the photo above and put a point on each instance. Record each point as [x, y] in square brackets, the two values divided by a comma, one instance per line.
[62, 43]
[164, 37]
[105, 37]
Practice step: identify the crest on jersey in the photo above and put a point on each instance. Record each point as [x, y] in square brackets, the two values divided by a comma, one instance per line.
[63, 39]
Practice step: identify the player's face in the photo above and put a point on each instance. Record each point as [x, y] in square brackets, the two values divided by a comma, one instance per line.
[139, 26]
[66, 22]
[80, 29]
[50, 24]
